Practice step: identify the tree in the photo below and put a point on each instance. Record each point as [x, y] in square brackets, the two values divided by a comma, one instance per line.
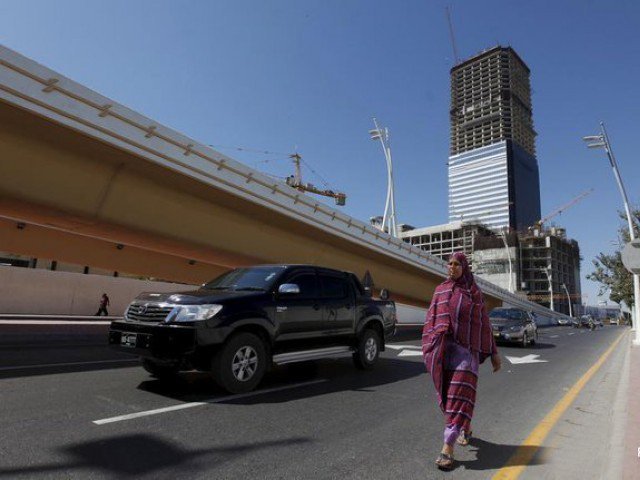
[609, 271]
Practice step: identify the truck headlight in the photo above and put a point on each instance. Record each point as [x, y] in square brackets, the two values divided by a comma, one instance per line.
[193, 313]
[516, 328]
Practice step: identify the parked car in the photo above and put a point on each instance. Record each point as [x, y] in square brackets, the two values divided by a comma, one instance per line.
[513, 325]
[241, 323]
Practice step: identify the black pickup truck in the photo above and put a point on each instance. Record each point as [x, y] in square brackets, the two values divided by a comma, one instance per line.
[246, 320]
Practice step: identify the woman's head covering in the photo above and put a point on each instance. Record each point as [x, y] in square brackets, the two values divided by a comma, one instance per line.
[466, 278]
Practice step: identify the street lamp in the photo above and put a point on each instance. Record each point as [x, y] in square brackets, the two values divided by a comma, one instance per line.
[546, 270]
[503, 234]
[568, 299]
[382, 134]
[602, 141]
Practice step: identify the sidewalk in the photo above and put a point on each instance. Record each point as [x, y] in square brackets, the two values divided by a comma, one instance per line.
[598, 437]
[631, 450]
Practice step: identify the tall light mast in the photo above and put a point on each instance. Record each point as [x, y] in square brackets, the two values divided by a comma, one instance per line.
[389, 218]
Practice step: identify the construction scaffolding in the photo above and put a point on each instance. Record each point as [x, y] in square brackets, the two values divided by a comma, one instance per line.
[491, 101]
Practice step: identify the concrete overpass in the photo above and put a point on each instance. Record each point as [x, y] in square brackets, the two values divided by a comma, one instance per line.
[86, 180]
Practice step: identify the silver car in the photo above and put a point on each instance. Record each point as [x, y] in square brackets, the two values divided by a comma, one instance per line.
[513, 325]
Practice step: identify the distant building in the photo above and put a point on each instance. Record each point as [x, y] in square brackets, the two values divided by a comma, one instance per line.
[444, 240]
[514, 261]
[493, 171]
[495, 259]
[534, 256]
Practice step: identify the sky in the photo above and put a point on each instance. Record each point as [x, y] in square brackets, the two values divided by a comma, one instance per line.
[280, 76]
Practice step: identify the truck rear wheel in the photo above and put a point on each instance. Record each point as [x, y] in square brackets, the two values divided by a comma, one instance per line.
[240, 364]
[159, 371]
[367, 350]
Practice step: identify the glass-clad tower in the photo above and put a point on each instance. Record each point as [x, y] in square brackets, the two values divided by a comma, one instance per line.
[493, 171]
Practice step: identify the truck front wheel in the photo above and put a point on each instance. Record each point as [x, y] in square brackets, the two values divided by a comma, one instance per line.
[240, 364]
[367, 350]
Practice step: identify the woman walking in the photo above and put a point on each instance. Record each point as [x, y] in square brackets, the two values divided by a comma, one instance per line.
[456, 339]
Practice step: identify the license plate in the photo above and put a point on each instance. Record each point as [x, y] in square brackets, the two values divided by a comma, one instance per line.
[128, 339]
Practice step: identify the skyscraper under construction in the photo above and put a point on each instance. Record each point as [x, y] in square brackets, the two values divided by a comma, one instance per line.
[493, 171]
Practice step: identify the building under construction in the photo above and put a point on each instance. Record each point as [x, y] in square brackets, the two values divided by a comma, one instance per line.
[542, 264]
[539, 263]
[493, 171]
[445, 240]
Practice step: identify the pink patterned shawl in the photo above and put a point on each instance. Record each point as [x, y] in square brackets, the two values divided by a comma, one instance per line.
[457, 309]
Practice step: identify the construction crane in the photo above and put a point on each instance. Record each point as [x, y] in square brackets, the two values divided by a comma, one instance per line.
[295, 181]
[539, 224]
[453, 38]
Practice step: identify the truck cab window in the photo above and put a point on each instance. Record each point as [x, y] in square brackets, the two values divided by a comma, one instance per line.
[307, 283]
[333, 287]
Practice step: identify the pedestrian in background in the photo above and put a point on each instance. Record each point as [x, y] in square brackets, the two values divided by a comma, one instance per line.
[456, 339]
[104, 303]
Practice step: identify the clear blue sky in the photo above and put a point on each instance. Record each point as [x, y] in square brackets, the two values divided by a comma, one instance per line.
[280, 74]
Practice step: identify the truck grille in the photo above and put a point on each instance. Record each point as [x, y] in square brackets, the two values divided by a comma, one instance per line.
[148, 312]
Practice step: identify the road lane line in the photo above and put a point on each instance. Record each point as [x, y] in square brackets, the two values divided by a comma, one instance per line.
[554, 336]
[73, 364]
[182, 406]
[530, 446]
[571, 333]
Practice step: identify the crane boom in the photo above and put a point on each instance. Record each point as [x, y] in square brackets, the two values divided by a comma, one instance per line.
[453, 38]
[295, 181]
[561, 209]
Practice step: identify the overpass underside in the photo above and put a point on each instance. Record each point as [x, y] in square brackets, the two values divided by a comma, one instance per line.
[79, 200]
[87, 181]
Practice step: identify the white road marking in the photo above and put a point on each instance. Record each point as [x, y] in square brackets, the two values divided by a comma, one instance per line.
[402, 347]
[571, 333]
[182, 406]
[531, 358]
[410, 353]
[49, 365]
[554, 336]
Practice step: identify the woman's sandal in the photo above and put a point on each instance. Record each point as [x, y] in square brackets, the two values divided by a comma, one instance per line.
[444, 461]
[463, 438]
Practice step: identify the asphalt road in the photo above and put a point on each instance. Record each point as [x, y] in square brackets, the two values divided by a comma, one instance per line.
[320, 420]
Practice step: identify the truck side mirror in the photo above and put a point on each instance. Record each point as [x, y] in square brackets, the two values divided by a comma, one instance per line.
[384, 294]
[289, 289]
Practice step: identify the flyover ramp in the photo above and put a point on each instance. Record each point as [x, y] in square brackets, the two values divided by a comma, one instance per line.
[86, 180]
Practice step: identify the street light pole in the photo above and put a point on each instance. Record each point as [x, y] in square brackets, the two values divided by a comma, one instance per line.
[546, 269]
[506, 246]
[568, 299]
[382, 134]
[602, 141]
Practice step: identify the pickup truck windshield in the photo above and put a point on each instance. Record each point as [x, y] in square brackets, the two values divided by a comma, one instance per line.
[255, 278]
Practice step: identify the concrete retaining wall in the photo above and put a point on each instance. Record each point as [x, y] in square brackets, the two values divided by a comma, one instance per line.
[35, 291]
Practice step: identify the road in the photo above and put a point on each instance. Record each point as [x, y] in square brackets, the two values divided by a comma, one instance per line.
[321, 420]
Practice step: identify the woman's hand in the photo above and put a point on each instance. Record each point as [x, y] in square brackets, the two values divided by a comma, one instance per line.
[496, 362]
